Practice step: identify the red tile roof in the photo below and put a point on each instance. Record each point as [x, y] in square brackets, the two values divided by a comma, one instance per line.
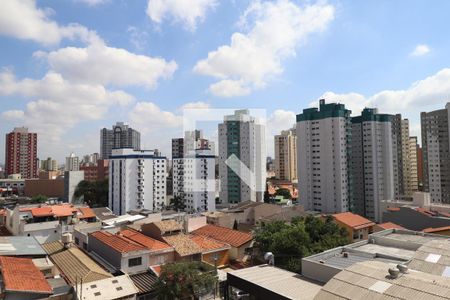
[21, 275]
[116, 242]
[144, 240]
[63, 210]
[86, 213]
[208, 244]
[436, 229]
[353, 220]
[390, 225]
[393, 209]
[45, 211]
[233, 237]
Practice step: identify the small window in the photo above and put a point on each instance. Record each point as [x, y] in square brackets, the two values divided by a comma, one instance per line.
[137, 261]
[93, 286]
[97, 294]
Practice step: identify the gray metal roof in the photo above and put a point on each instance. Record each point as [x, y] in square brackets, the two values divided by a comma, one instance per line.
[370, 280]
[20, 246]
[279, 281]
[433, 258]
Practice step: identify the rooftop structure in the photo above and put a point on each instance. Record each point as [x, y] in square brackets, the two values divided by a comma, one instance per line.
[371, 280]
[353, 220]
[103, 213]
[388, 225]
[119, 287]
[168, 226]
[269, 282]
[20, 246]
[144, 240]
[183, 245]
[433, 258]
[117, 242]
[208, 244]
[20, 275]
[145, 282]
[233, 237]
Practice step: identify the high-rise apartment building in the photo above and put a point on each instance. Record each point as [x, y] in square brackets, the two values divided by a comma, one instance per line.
[436, 154]
[420, 167]
[21, 153]
[286, 155]
[121, 136]
[194, 180]
[413, 167]
[242, 148]
[323, 151]
[72, 163]
[49, 164]
[371, 163]
[192, 140]
[137, 180]
[177, 148]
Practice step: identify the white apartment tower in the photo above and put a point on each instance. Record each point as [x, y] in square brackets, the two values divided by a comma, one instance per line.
[242, 148]
[436, 154]
[323, 142]
[371, 163]
[72, 163]
[137, 180]
[286, 155]
[194, 180]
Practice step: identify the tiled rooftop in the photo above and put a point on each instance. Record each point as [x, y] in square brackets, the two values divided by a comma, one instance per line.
[390, 225]
[208, 244]
[20, 246]
[353, 220]
[117, 242]
[21, 275]
[85, 213]
[60, 210]
[436, 229]
[144, 240]
[168, 225]
[232, 237]
[433, 258]
[183, 245]
[145, 282]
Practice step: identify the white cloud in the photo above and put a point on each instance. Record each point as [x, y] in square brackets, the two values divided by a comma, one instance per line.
[275, 29]
[187, 12]
[420, 50]
[150, 117]
[100, 64]
[58, 104]
[138, 37]
[195, 105]
[24, 20]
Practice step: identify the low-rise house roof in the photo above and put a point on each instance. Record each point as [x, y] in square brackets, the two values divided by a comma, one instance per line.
[353, 220]
[117, 242]
[389, 225]
[183, 245]
[433, 258]
[103, 213]
[53, 247]
[145, 282]
[208, 244]
[144, 240]
[371, 280]
[119, 287]
[85, 213]
[20, 246]
[124, 219]
[60, 210]
[436, 229]
[76, 265]
[232, 237]
[21, 275]
[168, 226]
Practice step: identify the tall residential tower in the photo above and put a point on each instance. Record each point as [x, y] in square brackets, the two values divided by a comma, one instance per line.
[21, 153]
[286, 155]
[121, 136]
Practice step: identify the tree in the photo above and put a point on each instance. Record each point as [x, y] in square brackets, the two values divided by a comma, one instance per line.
[304, 236]
[177, 203]
[185, 280]
[283, 192]
[95, 194]
[39, 199]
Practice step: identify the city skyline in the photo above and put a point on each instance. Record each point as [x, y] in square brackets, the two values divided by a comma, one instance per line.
[359, 55]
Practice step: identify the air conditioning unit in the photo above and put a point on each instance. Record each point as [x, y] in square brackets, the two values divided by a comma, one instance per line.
[66, 238]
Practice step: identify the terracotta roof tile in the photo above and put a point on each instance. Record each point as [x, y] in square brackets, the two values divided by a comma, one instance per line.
[436, 229]
[233, 237]
[63, 210]
[183, 245]
[393, 209]
[45, 211]
[208, 244]
[117, 242]
[168, 225]
[353, 220]
[86, 212]
[144, 240]
[21, 275]
[390, 225]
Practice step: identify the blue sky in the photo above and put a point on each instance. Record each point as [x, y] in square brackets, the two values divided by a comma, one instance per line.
[69, 68]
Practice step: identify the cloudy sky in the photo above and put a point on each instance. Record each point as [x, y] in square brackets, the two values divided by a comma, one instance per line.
[71, 67]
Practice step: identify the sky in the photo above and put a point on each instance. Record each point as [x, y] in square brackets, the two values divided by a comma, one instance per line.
[71, 67]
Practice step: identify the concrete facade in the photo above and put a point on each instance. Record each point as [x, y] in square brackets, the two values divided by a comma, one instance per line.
[286, 155]
[121, 136]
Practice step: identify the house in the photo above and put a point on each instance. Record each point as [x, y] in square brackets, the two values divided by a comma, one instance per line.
[238, 240]
[358, 227]
[160, 253]
[386, 225]
[21, 246]
[119, 287]
[117, 253]
[213, 252]
[21, 279]
[81, 233]
[185, 248]
[86, 214]
[103, 213]
[158, 230]
[74, 264]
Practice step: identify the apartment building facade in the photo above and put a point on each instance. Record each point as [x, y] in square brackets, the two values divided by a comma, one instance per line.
[121, 136]
[286, 155]
[21, 153]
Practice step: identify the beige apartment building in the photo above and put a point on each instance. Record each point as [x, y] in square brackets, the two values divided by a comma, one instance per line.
[286, 155]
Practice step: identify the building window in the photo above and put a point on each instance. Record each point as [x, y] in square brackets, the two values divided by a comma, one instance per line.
[137, 261]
